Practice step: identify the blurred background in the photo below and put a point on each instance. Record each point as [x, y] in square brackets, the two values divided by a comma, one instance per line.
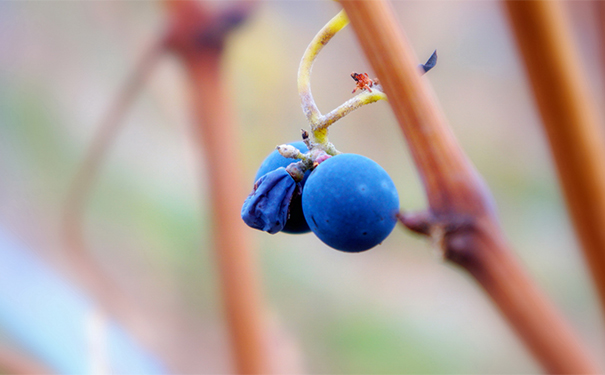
[395, 309]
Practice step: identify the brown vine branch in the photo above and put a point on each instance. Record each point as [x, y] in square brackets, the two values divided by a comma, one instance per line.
[460, 210]
[569, 118]
[198, 38]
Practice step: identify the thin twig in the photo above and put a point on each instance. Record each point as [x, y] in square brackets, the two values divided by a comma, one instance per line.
[460, 206]
[87, 269]
[570, 120]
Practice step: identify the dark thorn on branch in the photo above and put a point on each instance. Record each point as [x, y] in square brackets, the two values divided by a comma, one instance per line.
[456, 235]
[424, 222]
[419, 222]
[430, 63]
[462, 242]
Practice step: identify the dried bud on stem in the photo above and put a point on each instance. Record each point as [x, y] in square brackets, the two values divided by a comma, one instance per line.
[290, 152]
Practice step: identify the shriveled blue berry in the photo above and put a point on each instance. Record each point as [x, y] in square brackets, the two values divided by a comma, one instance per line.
[296, 223]
[266, 208]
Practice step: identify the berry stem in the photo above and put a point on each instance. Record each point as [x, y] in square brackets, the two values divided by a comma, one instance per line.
[460, 210]
[351, 105]
[320, 123]
[306, 65]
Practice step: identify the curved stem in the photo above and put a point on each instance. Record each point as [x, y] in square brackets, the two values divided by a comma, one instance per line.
[306, 64]
[320, 123]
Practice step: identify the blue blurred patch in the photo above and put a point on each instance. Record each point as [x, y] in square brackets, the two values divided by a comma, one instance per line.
[49, 318]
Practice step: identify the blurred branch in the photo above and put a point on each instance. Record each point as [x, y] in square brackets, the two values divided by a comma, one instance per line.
[460, 215]
[197, 37]
[599, 9]
[15, 362]
[569, 118]
[85, 266]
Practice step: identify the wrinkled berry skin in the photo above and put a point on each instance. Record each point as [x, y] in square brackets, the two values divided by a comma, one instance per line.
[350, 203]
[296, 224]
[266, 208]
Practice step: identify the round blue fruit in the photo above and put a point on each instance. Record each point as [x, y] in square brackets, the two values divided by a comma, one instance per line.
[296, 223]
[350, 203]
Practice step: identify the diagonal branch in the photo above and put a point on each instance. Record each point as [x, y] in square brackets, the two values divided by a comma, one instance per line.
[460, 206]
[111, 297]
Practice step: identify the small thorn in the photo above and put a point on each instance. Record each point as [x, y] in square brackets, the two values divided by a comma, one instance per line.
[419, 222]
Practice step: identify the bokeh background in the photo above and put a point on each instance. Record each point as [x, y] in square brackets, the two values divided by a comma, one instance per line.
[395, 309]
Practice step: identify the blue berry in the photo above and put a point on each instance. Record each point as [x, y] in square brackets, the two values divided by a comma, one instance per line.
[350, 203]
[296, 223]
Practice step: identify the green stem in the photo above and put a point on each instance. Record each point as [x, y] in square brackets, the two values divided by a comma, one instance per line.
[306, 64]
[351, 105]
[320, 123]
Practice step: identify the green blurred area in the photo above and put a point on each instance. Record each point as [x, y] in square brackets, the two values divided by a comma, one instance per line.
[395, 309]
